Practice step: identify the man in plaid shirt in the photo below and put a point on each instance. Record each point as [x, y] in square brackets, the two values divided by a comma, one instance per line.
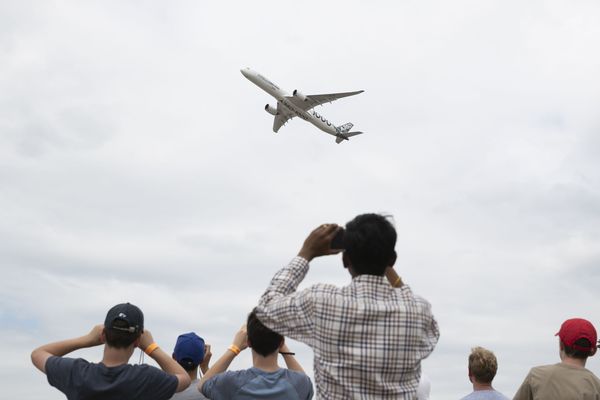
[368, 337]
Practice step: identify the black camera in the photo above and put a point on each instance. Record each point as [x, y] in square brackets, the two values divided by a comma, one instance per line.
[338, 240]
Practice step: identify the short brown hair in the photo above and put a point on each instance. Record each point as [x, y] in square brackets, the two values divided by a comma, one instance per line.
[482, 365]
[120, 339]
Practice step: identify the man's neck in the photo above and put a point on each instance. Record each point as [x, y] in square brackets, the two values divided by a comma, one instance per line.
[193, 374]
[268, 363]
[482, 386]
[574, 362]
[114, 357]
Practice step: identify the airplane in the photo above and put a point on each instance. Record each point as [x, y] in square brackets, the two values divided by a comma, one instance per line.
[299, 105]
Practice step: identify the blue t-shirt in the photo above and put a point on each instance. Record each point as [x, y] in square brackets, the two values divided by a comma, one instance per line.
[254, 383]
[485, 395]
[80, 380]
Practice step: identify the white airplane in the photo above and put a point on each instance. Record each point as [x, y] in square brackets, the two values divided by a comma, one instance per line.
[299, 105]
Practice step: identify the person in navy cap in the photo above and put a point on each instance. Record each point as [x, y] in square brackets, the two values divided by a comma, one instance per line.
[191, 353]
[113, 377]
[568, 379]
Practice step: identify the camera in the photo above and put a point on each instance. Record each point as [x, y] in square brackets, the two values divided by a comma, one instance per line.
[338, 240]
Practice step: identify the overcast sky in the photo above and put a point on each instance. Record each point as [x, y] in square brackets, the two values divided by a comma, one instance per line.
[137, 164]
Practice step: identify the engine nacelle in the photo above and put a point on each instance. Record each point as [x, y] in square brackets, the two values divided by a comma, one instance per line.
[270, 110]
[299, 95]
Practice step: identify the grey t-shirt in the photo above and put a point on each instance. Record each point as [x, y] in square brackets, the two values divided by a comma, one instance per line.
[485, 395]
[80, 380]
[191, 393]
[254, 383]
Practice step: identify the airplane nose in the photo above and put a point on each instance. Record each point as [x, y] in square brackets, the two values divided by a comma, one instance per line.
[244, 72]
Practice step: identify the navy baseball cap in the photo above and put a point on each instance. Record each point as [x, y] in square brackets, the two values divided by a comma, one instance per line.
[189, 350]
[127, 312]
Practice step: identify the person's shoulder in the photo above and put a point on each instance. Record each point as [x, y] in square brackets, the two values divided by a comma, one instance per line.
[56, 362]
[323, 289]
[228, 377]
[297, 375]
[300, 381]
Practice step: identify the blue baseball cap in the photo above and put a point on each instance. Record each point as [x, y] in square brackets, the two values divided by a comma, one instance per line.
[189, 350]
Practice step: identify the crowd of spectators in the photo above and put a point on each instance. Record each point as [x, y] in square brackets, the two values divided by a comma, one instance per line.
[368, 339]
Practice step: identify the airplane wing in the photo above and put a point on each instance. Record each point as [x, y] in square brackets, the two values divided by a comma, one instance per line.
[314, 100]
[283, 116]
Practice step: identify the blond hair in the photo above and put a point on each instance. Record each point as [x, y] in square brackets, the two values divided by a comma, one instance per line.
[482, 365]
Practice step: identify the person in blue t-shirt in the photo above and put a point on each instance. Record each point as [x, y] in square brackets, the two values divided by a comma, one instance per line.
[265, 380]
[483, 366]
[113, 378]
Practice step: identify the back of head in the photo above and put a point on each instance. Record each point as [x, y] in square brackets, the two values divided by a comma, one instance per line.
[262, 339]
[189, 351]
[482, 365]
[578, 337]
[123, 325]
[370, 240]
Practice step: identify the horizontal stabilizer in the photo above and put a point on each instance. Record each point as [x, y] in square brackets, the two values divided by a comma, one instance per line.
[345, 136]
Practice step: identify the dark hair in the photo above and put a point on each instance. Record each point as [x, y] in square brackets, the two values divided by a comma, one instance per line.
[571, 351]
[370, 240]
[260, 338]
[187, 364]
[120, 339]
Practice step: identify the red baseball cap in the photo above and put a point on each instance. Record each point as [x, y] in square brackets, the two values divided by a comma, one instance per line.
[578, 328]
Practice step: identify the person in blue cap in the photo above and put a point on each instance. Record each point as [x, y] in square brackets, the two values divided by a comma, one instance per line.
[191, 353]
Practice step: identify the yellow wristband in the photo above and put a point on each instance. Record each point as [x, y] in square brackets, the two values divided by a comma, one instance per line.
[398, 281]
[151, 348]
[234, 349]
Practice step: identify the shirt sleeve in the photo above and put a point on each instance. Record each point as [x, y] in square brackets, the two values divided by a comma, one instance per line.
[59, 372]
[303, 385]
[220, 386]
[159, 384]
[432, 333]
[284, 310]
[524, 392]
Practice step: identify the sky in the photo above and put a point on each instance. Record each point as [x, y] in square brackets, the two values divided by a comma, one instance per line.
[137, 164]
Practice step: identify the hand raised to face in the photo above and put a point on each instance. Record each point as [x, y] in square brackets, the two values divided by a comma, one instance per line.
[318, 242]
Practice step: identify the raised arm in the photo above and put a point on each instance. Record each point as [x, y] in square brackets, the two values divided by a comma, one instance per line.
[393, 278]
[281, 307]
[166, 363]
[204, 365]
[290, 360]
[240, 343]
[40, 355]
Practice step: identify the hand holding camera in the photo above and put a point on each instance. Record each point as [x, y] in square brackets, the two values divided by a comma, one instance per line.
[319, 242]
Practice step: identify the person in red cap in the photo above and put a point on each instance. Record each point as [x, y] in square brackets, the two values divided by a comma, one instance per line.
[568, 379]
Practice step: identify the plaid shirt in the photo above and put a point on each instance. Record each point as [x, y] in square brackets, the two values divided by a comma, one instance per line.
[368, 338]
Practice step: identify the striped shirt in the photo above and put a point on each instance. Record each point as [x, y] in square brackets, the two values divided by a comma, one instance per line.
[368, 338]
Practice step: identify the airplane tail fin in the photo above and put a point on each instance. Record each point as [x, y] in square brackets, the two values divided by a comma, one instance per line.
[346, 127]
[346, 136]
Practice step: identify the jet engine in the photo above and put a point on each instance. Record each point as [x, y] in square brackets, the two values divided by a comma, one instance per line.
[299, 95]
[270, 110]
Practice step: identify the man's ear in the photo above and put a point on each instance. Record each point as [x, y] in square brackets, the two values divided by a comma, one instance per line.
[173, 356]
[282, 342]
[593, 351]
[392, 259]
[346, 260]
[103, 336]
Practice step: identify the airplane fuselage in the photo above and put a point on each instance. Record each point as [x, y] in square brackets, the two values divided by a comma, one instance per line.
[282, 97]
